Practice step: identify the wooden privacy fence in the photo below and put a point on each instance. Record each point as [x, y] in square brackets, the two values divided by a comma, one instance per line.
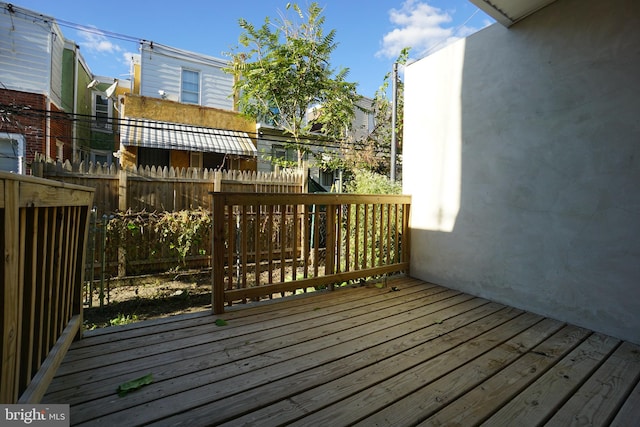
[45, 226]
[270, 243]
[150, 189]
[164, 189]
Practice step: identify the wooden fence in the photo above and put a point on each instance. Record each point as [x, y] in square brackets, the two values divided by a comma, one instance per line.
[45, 226]
[270, 243]
[150, 189]
[164, 189]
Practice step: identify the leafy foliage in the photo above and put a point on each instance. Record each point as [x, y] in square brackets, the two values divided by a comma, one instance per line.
[123, 320]
[283, 75]
[129, 386]
[365, 181]
[182, 232]
[373, 152]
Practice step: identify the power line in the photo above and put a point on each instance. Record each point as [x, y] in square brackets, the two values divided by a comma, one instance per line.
[113, 122]
[87, 120]
[95, 30]
[36, 17]
[444, 40]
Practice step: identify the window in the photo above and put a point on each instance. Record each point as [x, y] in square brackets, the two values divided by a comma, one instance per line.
[157, 157]
[104, 157]
[102, 112]
[271, 117]
[12, 151]
[283, 156]
[196, 160]
[190, 87]
[215, 161]
[371, 122]
[326, 178]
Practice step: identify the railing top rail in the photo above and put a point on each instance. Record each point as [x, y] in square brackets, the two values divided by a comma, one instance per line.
[307, 199]
[45, 192]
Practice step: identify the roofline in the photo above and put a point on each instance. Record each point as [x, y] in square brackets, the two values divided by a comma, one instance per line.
[181, 53]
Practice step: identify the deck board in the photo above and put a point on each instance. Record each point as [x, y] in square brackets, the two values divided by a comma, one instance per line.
[597, 402]
[370, 356]
[535, 404]
[442, 380]
[479, 403]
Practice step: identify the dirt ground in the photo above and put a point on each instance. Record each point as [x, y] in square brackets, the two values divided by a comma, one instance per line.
[147, 297]
[139, 298]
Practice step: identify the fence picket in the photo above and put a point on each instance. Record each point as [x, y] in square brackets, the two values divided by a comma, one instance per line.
[153, 188]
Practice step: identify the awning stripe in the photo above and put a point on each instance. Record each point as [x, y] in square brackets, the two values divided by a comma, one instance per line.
[176, 136]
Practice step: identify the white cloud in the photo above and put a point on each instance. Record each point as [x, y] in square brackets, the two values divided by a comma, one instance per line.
[127, 58]
[95, 42]
[421, 27]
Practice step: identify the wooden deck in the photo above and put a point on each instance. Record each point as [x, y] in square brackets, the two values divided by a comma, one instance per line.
[418, 355]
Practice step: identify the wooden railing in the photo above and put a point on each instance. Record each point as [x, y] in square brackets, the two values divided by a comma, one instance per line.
[266, 244]
[43, 246]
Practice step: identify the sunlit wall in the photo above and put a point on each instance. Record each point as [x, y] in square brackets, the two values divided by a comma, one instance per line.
[522, 154]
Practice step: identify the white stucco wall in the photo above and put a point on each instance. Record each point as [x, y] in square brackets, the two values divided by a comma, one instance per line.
[522, 154]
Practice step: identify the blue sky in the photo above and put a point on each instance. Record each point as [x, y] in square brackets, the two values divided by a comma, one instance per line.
[369, 33]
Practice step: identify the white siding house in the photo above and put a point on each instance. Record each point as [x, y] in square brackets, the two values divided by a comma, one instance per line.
[31, 48]
[522, 156]
[363, 122]
[182, 76]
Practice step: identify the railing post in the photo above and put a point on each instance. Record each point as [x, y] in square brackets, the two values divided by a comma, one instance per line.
[331, 241]
[406, 244]
[217, 253]
[122, 206]
[8, 385]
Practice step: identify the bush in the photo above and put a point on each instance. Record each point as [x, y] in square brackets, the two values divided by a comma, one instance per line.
[367, 182]
[156, 235]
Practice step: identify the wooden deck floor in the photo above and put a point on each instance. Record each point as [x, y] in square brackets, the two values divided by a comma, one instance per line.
[421, 355]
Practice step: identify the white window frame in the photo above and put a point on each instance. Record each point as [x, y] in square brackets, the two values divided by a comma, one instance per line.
[95, 123]
[59, 150]
[21, 148]
[282, 152]
[371, 122]
[183, 90]
[102, 153]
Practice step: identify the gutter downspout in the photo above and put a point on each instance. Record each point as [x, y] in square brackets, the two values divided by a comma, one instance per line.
[47, 130]
[394, 119]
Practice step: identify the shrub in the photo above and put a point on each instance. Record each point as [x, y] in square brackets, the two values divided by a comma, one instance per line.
[367, 182]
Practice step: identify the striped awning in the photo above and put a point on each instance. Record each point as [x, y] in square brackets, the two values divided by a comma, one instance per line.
[177, 136]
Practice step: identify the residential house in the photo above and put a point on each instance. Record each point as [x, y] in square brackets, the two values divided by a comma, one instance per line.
[274, 144]
[522, 151]
[180, 113]
[98, 115]
[34, 103]
[276, 150]
[51, 103]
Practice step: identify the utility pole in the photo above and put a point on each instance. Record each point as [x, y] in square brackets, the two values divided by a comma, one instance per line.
[394, 118]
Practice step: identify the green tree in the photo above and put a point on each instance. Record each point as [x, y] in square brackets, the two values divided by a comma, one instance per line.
[283, 74]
